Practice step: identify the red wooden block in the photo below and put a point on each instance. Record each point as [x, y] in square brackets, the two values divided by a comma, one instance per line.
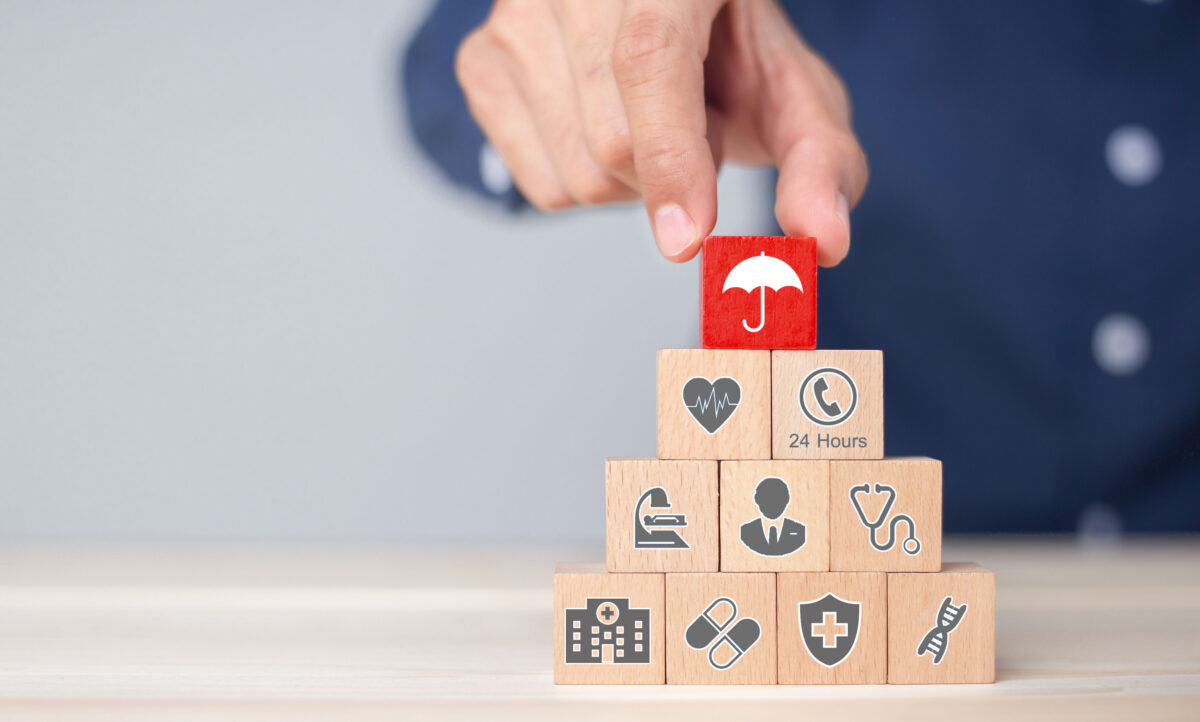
[758, 292]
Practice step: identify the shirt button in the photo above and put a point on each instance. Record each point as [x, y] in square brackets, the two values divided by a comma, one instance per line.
[1098, 523]
[1133, 155]
[1121, 344]
[493, 172]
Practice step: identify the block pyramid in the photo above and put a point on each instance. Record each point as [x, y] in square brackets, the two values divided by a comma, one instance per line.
[771, 541]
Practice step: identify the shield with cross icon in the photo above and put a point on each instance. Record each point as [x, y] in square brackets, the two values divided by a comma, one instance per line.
[829, 627]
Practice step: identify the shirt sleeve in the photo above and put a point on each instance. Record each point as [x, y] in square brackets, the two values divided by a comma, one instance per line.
[437, 111]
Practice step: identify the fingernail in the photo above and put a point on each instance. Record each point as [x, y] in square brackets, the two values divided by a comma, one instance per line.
[843, 212]
[673, 229]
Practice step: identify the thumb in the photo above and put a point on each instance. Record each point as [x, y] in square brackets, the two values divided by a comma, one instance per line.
[806, 112]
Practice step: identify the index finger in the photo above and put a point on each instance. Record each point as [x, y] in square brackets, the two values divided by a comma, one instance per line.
[658, 62]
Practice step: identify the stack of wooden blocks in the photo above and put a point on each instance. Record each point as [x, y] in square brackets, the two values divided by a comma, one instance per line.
[771, 541]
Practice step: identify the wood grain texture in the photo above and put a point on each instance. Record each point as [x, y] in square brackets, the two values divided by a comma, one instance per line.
[866, 663]
[689, 596]
[745, 434]
[784, 317]
[914, 602]
[808, 504]
[377, 633]
[691, 489]
[917, 482]
[803, 427]
[575, 585]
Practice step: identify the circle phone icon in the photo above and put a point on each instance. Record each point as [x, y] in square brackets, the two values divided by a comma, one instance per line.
[828, 396]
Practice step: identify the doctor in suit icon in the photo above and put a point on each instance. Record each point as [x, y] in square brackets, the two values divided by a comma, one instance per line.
[762, 535]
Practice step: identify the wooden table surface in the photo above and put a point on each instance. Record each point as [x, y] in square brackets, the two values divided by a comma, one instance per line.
[1095, 632]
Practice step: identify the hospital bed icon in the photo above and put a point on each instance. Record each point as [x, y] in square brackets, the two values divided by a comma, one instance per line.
[654, 531]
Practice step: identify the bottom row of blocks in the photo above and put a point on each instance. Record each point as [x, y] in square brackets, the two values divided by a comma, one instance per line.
[764, 628]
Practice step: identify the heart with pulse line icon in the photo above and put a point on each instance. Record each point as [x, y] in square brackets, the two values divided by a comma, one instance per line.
[711, 403]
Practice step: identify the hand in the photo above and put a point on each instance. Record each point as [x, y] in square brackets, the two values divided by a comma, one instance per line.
[596, 101]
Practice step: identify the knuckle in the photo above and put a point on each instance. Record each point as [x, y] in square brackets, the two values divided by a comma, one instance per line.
[546, 197]
[862, 168]
[611, 149]
[593, 53]
[509, 13]
[786, 213]
[597, 187]
[812, 77]
[847, 151]
[662, 165]
[645, 40]
[829, 145]
[784, 72]
[470, 66]
[836, 94]
[842, 144]
[841, 101]
[525, 30]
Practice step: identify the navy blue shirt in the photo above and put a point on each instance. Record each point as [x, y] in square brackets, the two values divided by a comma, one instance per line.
[1027, 254]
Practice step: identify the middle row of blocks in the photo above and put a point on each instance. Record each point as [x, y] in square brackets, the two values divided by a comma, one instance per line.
[716, 404]
[773, 515]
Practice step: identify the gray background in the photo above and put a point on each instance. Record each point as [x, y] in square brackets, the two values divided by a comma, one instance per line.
[236, 302]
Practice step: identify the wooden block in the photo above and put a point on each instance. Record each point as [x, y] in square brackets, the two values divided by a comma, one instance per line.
[661, 516]
[774, 516]
[827, 404]
[714, 404]
[721, 629]
[758, 292]
[886, 515]
[832, 628]
[942, 627]
[608, 628]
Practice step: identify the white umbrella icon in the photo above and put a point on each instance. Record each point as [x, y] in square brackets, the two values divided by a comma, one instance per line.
[760, 272]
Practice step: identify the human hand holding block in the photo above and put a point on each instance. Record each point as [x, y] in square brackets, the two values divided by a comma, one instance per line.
[595, 102]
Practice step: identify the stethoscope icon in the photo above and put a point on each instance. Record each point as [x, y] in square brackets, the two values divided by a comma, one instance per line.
[911, 545]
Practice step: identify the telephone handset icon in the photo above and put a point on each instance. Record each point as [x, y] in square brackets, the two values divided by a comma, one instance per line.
[815, 389]
[830, 408]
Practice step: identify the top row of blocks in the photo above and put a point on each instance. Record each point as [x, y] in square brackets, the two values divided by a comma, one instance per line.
[723, 405]
[758, 292]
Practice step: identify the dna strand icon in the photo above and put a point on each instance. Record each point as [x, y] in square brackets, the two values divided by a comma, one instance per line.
[947, 619]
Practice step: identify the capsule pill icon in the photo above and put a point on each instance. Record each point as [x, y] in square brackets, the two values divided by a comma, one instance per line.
[736, 642]
[705, 627]
[719, 630]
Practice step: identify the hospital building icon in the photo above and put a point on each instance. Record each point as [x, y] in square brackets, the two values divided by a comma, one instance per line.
[607, 631]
